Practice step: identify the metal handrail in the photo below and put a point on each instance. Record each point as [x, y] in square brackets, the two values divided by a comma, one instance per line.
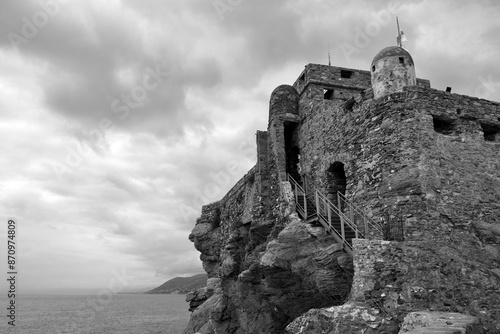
[354, 208]
[298, 191]
[324, 208]
[323, 205]
[338, 211]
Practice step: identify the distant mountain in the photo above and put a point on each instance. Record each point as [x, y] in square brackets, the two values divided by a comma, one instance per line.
[182, 284]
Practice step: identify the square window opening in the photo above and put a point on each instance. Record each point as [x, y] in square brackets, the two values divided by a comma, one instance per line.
[491, 133]
[401, 60]
[444, 126]
[346, 74]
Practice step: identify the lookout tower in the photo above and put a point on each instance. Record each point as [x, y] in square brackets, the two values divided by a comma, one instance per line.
[391, 70]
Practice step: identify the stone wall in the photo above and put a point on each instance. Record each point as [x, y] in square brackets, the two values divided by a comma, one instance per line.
[374, 142]
[395, 282]
[401, 277]
[460, 171]
[332, 76]
[396, 163]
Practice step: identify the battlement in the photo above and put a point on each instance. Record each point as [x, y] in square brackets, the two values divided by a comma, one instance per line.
[331, 82]
[455, 114]
[335, 83]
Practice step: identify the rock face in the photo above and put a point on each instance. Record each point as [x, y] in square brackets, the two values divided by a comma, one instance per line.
[423, 163]
[348, 318]
[440, 322]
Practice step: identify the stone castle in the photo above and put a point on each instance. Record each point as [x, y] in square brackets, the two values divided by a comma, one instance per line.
[374, 207]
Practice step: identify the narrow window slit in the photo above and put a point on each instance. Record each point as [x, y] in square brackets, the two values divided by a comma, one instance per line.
[345, 74]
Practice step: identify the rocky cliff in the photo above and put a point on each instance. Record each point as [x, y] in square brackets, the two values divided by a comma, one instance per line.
[264, 274]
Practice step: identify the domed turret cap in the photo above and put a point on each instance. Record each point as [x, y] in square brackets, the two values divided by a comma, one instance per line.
[392, 51]
[284, 99]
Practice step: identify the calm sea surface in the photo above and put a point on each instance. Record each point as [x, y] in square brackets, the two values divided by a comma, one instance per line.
[122, 313]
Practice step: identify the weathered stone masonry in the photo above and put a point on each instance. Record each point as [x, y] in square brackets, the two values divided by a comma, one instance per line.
[423, 162]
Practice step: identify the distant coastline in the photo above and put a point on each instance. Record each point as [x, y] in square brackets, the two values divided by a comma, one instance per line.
[181, 285]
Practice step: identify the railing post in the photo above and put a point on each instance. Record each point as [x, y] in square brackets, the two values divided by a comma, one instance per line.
[339, 203]
[329, 214]
[342, 230]
[305, 205]
[296, 194]
[316, 199]
[355, 225]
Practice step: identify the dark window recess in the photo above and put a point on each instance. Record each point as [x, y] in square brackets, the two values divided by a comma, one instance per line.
[459, 111]
[336, 179]
[373, 68]
[448, 89]
[491, 132]
[217, 219]
[346, 74]
[328, 94]
[401, 60]
[302, 77]
[444, 126]
[292, 153]
[349, 104]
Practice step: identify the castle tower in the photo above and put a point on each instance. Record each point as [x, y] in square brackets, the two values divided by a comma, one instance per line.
[391, 70]
[284, 99]
[283, 120]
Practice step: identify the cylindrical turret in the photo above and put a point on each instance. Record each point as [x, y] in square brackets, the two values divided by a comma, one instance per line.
[392, 69]
[284, 99]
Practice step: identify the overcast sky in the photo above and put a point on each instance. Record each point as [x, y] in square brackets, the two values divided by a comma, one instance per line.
[119, 119]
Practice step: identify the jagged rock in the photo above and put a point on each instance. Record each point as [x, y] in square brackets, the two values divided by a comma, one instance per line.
[348, 318]
[196, 298]
[440, 323]
[200, 320]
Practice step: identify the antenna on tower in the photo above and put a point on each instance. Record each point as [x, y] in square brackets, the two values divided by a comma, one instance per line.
[399, 33]
[402, 40]
[329, 58]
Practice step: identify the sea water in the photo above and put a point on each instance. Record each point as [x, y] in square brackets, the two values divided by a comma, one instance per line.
[78, 314]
